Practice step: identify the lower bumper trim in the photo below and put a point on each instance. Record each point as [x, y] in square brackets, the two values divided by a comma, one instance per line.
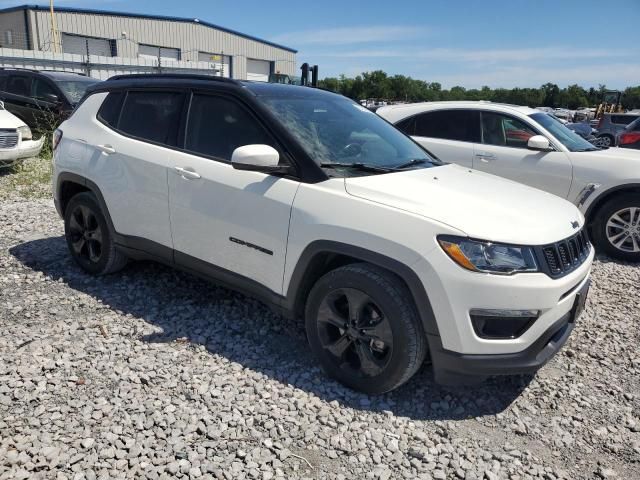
[452, 368]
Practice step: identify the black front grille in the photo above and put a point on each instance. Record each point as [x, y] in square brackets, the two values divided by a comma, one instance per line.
[565, 256]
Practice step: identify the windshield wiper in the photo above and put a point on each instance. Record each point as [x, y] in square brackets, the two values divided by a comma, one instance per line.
[410, 163]
[363, 167]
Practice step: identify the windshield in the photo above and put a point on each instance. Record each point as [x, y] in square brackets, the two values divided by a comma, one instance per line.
[570, 139]
[336, 130]
[75, 89]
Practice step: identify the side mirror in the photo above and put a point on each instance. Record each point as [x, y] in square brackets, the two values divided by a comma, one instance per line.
[539, 142]
[258, 158]
[51, 98]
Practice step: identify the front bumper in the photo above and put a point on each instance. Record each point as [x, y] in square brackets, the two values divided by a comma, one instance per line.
[24, 149]
[452, 368]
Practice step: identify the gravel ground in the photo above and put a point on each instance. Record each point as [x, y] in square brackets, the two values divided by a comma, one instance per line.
[152, 373]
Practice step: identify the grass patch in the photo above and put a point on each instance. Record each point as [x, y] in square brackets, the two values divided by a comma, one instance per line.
[30, 178]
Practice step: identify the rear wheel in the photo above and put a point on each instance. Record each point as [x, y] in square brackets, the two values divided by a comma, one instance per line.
[363, 329]
[88, 237]
[616, 231]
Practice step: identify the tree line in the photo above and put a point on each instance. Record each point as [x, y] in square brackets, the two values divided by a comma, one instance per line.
[379, 85]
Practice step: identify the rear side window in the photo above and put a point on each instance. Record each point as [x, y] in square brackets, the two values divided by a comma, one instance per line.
[461, 125]
[152, 116]
[622, 119]
[110, 109]
[217, 126]
[19, 85]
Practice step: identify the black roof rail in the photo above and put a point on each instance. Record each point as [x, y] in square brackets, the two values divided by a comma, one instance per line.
[180, 76]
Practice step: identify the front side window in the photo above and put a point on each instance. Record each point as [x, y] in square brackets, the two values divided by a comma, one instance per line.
[217, 126]
[152, 116]
[19, 85]
[505, 131]
[459, 125]
[569, 138]
[42, 90]
[333, 129]
[74, 90]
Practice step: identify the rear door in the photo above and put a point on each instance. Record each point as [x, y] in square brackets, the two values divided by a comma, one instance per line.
[233, 220]
[504, 152]
[132, 152]
[448, 134]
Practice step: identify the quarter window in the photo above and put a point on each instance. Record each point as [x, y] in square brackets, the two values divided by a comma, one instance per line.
[152, 116]
[504, 131]
[461, 125]
[110, 109]
[217, 126]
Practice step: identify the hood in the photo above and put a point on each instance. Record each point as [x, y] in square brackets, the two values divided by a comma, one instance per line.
[9, 120]
[482, 206]
[613, 154]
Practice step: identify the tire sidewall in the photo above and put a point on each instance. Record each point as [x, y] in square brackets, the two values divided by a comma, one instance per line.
[599, 231]
[88, 200]
[387, 302]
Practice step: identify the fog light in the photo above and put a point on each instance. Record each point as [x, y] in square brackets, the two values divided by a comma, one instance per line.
[502, 324]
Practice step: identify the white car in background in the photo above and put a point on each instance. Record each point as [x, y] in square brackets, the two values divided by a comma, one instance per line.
[16, 139]
[532, 147]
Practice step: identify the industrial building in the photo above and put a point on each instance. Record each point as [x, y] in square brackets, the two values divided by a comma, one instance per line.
[128, 35]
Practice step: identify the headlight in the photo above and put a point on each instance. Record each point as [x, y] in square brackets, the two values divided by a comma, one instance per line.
[489, 257]
[25, 132]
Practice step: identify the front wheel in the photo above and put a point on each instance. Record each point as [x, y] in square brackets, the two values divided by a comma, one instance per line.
[363, 328]
[616, 230]
[605, 141]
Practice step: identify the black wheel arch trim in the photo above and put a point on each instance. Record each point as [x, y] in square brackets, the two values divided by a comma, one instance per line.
[64, 177]
[406, 274]
[605, 196]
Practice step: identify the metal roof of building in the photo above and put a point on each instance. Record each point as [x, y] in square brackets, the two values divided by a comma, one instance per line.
[196, 21]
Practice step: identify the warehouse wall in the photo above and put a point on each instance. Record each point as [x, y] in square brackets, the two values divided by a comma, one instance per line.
[13, 22]
[190, 38]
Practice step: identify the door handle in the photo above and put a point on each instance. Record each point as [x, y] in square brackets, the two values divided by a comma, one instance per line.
[108, 149]
[485, 157]
[187, 174]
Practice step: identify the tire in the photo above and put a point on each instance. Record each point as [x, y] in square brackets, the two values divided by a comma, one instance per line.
[609, 227]
[386, 331]
[88, 236]
[606, 140]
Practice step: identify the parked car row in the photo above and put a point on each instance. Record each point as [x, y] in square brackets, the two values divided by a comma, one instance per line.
[33, 103]
[533, 148]
[319, 207]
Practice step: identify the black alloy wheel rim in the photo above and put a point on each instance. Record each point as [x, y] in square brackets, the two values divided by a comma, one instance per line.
[85, 234]
[355, 332]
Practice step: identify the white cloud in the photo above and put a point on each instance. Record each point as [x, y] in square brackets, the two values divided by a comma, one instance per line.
[351, 35]
[484, 55]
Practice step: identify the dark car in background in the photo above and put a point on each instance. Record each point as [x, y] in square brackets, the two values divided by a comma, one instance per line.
[42, 99]
[630, 136]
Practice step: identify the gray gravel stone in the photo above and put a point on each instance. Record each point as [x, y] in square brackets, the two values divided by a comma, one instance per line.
[153, 373]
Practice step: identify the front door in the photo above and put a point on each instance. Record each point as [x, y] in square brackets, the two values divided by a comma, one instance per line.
[504, 152]
[224, 218]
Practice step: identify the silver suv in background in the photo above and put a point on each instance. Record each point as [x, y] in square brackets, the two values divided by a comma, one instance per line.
[611, 125]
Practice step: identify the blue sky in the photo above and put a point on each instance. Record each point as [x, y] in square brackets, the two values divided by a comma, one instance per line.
[456, 42]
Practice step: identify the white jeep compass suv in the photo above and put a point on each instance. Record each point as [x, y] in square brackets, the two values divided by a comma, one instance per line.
[535, 148]
[311, 203]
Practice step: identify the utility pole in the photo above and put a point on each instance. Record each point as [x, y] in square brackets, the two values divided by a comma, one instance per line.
[55, 37]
